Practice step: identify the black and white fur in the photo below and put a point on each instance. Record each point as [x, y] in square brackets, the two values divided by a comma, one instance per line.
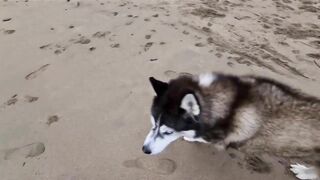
[261, 115]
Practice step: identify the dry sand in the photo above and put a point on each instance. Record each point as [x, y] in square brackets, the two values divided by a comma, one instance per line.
[74, 94]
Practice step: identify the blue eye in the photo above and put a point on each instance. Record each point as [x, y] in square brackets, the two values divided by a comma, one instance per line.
[167, 133]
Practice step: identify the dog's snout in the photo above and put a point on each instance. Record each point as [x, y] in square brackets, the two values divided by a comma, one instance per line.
[146, 150]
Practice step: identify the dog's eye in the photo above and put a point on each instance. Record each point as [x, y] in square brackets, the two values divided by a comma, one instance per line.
[167, 133]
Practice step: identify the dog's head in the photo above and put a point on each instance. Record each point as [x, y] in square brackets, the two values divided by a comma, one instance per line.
[175, 113]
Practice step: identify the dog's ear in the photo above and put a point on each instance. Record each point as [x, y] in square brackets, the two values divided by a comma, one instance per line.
[158, 86]
[190, 104]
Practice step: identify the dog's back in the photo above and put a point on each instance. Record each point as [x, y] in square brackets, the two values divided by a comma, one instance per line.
[289, 123]
[290, 120]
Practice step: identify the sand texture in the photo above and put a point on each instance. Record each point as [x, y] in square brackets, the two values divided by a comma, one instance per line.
[74, 90]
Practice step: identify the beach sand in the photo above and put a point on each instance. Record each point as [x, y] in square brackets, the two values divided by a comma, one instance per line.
[74, 90]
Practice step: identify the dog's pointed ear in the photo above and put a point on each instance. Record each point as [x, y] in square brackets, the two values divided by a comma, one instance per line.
[158, 86]
[190, 104]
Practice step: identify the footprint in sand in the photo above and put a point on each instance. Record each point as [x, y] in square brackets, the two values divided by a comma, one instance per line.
[12, 100]
[174, 74]
[45, 46]
[115, 45]
[148, 36]
[27, 151]
[10, 31]
[185, 32]
[153, 59]
[100, 34]
[147, 46]
[315, 44]
[92, 48]
[58, 48]
[128, 23]
[83, 40]
[230, 64]
[170, 73]
[257, 164]
[30, 99]
[58, 51]
[159, 166]
[185, 74]
[6, 19]
[35, 73]
[314, 55]
[52, 119]
[199, 44]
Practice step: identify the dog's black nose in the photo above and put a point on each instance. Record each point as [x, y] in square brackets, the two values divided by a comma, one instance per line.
[146, 150]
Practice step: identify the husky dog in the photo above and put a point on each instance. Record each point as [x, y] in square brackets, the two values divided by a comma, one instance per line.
[257, 114]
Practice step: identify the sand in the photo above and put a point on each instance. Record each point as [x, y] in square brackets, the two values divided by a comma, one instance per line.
[74, 90]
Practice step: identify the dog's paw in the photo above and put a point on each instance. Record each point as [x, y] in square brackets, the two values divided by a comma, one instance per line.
[303, 172]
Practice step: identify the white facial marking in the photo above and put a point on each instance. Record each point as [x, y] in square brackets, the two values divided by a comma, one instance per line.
[165, 129]
[153, 122]
[152, 132]
[190, 104]
[160, 137]
[206, 79]
[303, 172]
